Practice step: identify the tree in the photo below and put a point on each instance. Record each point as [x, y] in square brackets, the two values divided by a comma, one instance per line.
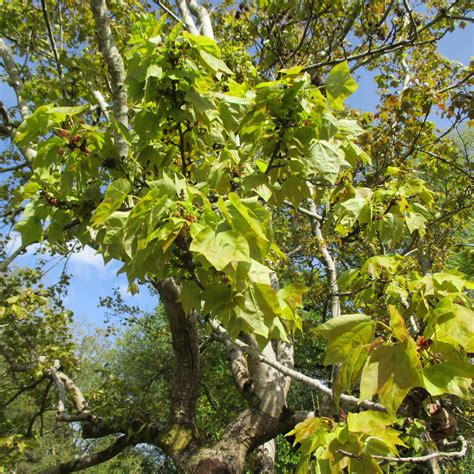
[229, 176]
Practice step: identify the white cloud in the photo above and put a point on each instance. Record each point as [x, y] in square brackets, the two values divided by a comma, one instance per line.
[13, 242]
[123, 290]
[87, 257]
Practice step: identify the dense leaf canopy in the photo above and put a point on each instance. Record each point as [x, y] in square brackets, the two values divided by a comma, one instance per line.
[309, 259]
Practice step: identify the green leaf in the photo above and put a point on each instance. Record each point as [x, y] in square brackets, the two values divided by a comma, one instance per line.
[374, 266]
[250, 219]
[345, 333]
[30, 229]
[397, 323]
[259, 308]
[305, 429]
[339, 85]
[415, 221]
[350, 211]
[325, 161]
[190, 296]
[200, 102]
[375, 424]
[222, 248]
[454, 377]
[113, 199]
[349, 371]
[215, 297]
[391, 372]
[458, 325]
[30, 226]
[292, 294]
[214, 64]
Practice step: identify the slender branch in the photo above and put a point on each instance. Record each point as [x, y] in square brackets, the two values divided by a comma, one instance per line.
[14, 167]
[6, 263]
[436, 455]
[14, 365]
[449, 163]
[295, 375]
[22, 390]
[469, 19]
[167, 10]
[15, 81]
[456, 84]
[307, 212]
[329, 262]
[52, 41]
[42, 409]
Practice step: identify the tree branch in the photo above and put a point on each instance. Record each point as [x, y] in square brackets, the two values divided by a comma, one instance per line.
[116, 70]
[167, 10]
[102, 104]
[14, 76]
[204, 19]
[436, 455]
[329, 262]
[298, 376]
[17, 167]
[185, 384]
[52, 41]
[187, 17]
[239, 369]
[304, 211]
[92, 460]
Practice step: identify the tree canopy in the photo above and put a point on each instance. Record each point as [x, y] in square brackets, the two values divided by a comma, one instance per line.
[311, 261]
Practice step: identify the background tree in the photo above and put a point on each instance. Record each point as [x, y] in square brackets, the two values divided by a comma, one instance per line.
[230, 177]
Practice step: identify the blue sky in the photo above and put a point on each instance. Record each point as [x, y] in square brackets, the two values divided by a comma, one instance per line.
[91, 279]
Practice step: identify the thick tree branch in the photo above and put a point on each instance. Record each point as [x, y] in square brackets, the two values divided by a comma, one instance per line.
[102, 103]
[239, 369]
[204, 19]
[116, 69]
[14, 77]
[92, 460]
[185, 384]
[187, 17]
[304, 211]
[15, 81]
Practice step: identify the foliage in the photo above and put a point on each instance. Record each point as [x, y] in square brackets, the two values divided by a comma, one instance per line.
[233, 179]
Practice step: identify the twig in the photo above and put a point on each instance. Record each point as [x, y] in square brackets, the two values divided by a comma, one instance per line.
[309, 213]
[14, 167]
